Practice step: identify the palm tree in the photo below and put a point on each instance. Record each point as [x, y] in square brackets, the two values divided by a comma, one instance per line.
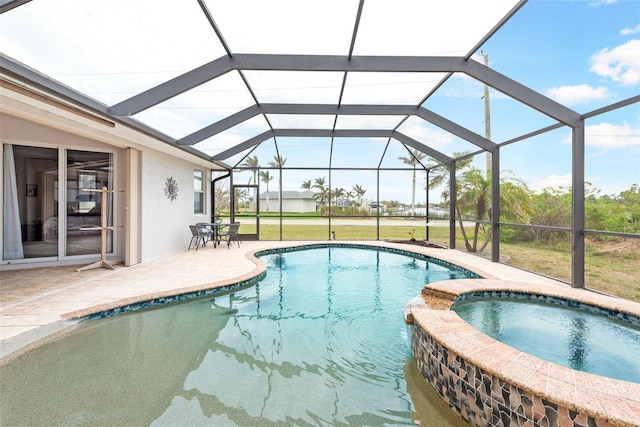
[359, 191]
[338, 193]
[251, 162]
[306, 185]
[241, 197]
[474, 198]
[278, 162]
[415, 157]
[323, 192]
[265, 177]
[349, 196]
[440, 174]
[473, 189]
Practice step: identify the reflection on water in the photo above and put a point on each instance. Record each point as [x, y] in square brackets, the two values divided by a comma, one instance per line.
[577, 348]
[490, 316]
[302, 347]
[573, 338]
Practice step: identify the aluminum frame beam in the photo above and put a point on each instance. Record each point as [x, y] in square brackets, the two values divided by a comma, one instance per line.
[265, 62]
[325, 109]
[7, 5]
[578, 207]
[453, 197]
[319, 133]
[496, 204]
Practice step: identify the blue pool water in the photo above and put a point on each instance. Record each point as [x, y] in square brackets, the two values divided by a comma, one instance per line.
[319, 341]
[570, 337]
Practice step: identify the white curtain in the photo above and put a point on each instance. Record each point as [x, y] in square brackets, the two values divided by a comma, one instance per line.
[12, 236]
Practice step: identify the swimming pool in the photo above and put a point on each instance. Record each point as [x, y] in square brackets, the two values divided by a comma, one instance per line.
[571, 337]
[320, 340]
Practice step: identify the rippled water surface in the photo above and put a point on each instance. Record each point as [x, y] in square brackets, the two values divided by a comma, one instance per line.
[573, 338]
[320, 341]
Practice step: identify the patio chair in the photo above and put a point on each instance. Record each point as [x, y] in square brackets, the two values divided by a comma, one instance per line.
[231, 233]
[205, 231]
[196, 234]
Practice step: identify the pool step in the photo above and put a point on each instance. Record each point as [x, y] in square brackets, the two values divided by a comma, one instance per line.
[438, 299]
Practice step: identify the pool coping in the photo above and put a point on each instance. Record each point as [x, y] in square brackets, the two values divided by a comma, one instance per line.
[616, 401]
[150, 300]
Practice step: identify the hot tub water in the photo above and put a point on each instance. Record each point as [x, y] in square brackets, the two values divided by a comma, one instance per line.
[570, 337]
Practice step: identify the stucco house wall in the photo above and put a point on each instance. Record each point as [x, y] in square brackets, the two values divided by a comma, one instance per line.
[160, 225]
[292, 201]
[164, 221]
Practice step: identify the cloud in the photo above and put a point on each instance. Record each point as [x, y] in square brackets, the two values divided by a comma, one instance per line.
[597, 3]
[577, 94]
[608, 135]
[552, 181]
[597, 154]
[417, 129]
[621, 64]
[462, 86]
[627, 31]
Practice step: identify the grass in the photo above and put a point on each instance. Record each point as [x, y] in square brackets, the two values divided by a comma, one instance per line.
[612, 268]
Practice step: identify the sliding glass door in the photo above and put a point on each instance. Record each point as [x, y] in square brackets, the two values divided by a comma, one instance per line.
[53, 211]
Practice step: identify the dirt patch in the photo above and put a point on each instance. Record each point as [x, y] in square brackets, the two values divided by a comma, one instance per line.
[621, 247]
[423, 243]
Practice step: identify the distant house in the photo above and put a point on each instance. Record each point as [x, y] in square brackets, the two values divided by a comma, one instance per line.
[377, 206]
[292, 201]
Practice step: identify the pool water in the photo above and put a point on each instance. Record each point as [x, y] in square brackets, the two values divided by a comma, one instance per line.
[577, 339]
[319, 341]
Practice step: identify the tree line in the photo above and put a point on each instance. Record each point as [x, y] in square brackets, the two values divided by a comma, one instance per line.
[521, 205]
[323, 193]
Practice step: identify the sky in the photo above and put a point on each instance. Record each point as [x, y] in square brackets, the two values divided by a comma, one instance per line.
[584, 54]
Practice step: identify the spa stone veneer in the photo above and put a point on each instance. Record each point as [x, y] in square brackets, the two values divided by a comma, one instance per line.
[491, 384]
[483, 398]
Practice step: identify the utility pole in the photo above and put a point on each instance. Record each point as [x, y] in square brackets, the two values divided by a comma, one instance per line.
[487, 114]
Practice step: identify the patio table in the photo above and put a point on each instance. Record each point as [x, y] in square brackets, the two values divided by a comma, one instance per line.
[216, 228]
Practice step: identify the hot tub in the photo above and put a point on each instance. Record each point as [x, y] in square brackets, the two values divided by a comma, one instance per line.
[491, 383]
